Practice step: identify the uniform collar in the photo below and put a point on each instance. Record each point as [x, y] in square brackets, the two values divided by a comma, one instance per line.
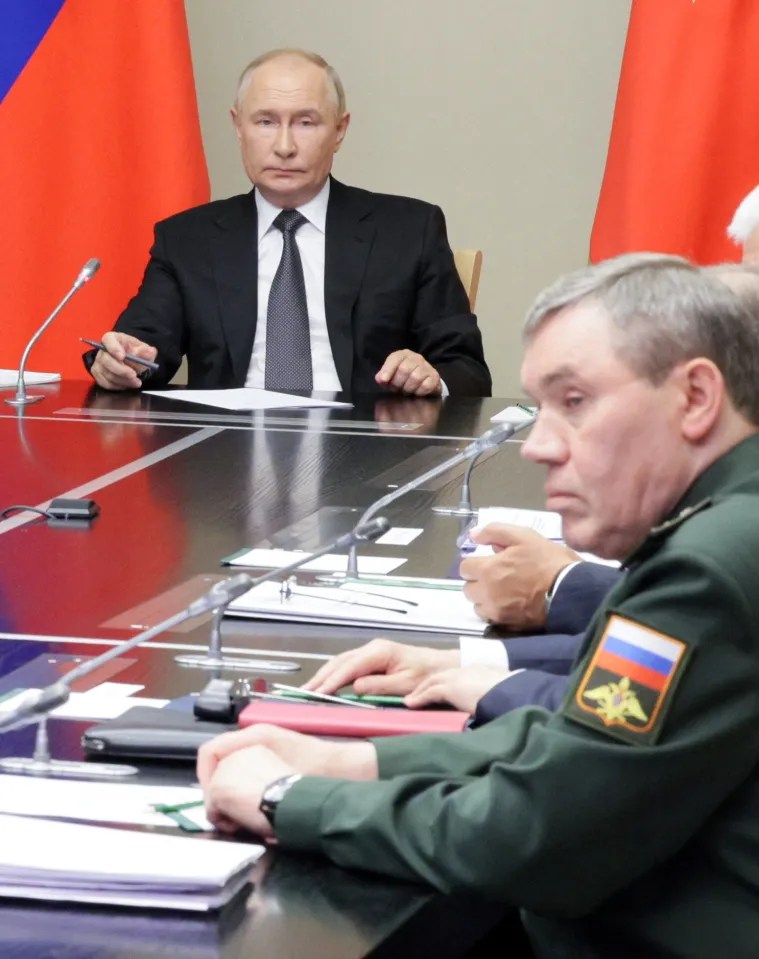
[722, 476]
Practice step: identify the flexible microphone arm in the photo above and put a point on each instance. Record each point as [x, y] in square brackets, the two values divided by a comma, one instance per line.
[39, 702]
[89, 269]
[489, 440]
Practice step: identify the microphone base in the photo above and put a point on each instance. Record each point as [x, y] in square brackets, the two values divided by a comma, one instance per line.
[25, 400]
[455, 510]
[229, 662]
[64, 767]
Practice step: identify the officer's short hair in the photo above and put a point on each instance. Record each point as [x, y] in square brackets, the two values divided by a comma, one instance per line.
[665, 310]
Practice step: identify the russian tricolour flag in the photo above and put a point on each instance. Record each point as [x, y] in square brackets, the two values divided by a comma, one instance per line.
[644, 656]
[99, 138]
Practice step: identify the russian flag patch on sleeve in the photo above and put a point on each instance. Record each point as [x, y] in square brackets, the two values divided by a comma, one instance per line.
[627, 686]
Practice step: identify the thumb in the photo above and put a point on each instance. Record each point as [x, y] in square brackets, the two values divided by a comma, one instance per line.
[500, 535]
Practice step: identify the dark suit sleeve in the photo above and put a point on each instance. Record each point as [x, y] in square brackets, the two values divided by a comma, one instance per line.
[579, 596]
[445, 332]
[155, 314]
[529, 688]
[551, 653]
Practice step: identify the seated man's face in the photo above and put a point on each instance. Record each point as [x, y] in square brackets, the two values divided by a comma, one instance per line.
[610, 440]
[289, 130]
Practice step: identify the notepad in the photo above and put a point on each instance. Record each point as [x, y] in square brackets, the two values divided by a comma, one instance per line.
[321, 719]
[45, 859]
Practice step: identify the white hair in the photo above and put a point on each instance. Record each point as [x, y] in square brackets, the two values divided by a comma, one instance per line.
[746, 218]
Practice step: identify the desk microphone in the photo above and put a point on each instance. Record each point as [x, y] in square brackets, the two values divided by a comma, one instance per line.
[464, 507]
[363, 532]
[489, 440]
[21, 398]
[36, 704]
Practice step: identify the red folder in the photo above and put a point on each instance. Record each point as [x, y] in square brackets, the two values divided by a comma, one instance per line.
[326, 720]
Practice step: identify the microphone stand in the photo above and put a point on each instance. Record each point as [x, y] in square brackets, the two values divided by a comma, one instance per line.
[465, 507]
[37, 704]
[21, 398]
[214, 658]
[489, 440]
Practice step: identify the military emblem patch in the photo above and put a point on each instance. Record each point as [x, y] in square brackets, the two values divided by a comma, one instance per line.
[627, 685]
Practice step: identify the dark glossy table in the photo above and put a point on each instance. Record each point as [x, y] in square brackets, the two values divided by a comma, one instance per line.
[177, 494]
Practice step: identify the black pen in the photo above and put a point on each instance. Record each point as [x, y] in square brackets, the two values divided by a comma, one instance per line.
[149, 364]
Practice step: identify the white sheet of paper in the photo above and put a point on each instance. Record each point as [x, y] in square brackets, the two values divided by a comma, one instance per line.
[106, 701]
[512, 414]
[10, 378]
[380, 606]
[120, 802]
[399, 536]
[545, 522]
[246, 398]
[329, 563]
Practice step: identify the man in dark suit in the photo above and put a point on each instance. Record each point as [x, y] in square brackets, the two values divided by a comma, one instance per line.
[370, 277]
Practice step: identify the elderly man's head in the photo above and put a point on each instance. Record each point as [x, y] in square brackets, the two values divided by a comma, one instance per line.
[744, 228]
[290, 119]
[644, 372]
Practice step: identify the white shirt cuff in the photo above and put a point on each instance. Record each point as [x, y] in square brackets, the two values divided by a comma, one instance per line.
[482, 652]
[560, 578]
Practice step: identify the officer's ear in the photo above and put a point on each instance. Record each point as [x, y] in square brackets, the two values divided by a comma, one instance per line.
[703, 397]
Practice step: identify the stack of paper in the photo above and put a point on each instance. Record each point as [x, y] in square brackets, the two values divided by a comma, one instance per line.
[44, 859]
[366, 602]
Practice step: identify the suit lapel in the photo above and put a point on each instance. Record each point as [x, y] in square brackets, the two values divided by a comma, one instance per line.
[349, 234]
[235, 261]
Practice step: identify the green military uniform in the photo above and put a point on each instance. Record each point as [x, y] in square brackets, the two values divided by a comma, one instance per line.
[627, 824]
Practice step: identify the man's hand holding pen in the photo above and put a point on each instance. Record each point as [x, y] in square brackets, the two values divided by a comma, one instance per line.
[118, 362]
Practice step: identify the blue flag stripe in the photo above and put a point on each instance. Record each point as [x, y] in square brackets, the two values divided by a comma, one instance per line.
[23, 24]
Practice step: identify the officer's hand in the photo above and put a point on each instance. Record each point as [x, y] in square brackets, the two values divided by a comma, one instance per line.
[111, 370]
[509, 588]
[407, 372]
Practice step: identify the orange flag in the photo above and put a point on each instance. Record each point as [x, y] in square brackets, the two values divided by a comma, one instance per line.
[684, 146]
[99, 138]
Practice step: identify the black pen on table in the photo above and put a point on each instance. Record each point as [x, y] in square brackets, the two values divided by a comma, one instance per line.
[148, 364]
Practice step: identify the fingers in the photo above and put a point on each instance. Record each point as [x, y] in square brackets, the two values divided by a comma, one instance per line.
[430, 691]
[502, 535]
[213, 752]
[112, 370]
[375, 657]
[407, 372]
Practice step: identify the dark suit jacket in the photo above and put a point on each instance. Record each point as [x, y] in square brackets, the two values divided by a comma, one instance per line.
[547, 659]
[390, 283]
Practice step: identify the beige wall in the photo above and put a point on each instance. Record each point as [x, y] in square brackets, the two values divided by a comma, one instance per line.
[498, 110]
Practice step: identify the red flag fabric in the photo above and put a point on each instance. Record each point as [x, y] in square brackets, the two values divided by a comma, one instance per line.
[684, 146]
[100, 138]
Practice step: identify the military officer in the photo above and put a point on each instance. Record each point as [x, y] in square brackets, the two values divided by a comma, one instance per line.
[626, 824]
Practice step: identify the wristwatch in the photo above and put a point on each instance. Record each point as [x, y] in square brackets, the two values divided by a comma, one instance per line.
[274, 794]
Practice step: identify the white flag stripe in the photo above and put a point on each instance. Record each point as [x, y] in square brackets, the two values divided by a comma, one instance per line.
[644, 638]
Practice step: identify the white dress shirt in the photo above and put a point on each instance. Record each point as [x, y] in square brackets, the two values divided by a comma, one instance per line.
[310, 239]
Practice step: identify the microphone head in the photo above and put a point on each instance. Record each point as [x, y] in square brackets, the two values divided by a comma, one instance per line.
[372, 529]
[89, 269]
[233, 587]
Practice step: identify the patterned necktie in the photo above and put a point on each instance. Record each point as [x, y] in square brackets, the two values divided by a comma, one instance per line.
[288, 341]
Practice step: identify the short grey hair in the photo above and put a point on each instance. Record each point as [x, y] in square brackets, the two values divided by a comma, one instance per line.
[337, 90]
[746, 218]
[664, 310]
